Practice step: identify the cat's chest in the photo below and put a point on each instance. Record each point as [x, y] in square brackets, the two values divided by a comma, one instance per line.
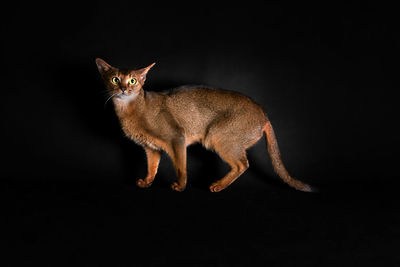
[139, 135]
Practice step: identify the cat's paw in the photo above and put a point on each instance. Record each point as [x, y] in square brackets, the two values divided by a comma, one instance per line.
[142, 183]
[216, 187]
[177, 187]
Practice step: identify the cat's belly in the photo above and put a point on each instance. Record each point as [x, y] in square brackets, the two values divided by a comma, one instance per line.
[158, 144]
[197, 138]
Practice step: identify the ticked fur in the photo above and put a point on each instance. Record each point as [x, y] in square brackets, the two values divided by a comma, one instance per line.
[223, 121]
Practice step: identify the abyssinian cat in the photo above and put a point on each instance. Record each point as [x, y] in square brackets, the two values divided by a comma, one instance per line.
[224, 121]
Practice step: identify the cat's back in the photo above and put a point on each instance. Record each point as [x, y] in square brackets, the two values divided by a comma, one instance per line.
[207, 98]
[196, 107]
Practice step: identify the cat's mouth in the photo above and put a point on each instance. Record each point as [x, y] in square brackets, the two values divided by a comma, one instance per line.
[122, 95]
[125, 96]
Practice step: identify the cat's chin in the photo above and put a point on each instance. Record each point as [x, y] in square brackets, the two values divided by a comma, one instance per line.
[125, 98]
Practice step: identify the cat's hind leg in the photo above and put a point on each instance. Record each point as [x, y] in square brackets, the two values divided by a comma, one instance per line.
[237, 160]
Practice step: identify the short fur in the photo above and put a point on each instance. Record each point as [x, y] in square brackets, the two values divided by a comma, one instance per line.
[223, 121]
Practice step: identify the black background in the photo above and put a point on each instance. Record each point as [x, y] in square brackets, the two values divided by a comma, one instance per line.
[326, 75]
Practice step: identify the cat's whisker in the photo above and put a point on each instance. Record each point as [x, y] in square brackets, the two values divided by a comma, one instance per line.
[111, 96]
[106, 92]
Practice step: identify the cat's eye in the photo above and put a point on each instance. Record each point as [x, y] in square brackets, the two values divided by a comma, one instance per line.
[115, 80]
[132, 81]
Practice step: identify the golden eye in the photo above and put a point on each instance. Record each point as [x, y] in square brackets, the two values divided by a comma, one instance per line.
[115, 80]
[132, 81]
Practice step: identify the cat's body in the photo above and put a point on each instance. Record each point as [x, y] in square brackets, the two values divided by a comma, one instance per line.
[223, 121]
[190, 113]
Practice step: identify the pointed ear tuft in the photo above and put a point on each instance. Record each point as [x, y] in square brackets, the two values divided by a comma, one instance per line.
[150, 66]
[143, 72]
[103, 66]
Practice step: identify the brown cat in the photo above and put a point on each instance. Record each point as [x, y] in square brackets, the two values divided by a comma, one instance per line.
[224, 121]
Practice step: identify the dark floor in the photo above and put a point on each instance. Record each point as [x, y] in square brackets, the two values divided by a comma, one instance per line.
[82, 223]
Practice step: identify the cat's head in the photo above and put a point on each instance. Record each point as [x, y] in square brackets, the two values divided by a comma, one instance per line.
[122, 84]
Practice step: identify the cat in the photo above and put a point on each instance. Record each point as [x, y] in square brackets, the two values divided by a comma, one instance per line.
[224, 121]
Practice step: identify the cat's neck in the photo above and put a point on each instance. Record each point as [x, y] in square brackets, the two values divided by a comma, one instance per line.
[126, 105]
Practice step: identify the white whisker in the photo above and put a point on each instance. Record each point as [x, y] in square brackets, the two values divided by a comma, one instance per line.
[110, 98]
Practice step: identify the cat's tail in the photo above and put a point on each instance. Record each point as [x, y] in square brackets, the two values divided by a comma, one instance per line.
[277, 162]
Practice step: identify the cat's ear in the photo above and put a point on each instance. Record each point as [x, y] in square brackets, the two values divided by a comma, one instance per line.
[143, 72]
[103, 66]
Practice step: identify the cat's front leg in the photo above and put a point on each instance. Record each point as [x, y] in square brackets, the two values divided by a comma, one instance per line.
[178, 156]
[153, 159]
